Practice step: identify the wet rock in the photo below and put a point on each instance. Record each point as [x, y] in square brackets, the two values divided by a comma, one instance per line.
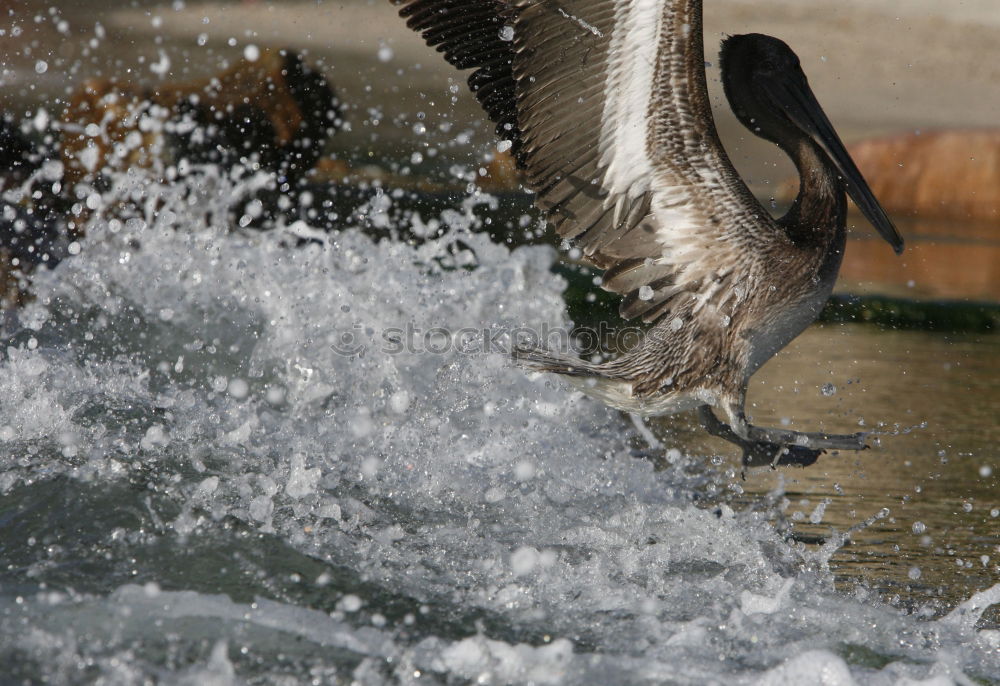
[948, 174]
[269, 111]
[274, 109]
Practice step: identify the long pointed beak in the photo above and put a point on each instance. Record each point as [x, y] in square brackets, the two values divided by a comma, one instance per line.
[799, 103]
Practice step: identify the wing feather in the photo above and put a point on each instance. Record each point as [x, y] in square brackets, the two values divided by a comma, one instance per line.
[607, 103]
[472, 35]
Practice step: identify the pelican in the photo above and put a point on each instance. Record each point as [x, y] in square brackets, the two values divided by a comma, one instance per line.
[605, 106]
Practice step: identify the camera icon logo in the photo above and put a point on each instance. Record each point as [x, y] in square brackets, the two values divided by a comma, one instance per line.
[349, 343]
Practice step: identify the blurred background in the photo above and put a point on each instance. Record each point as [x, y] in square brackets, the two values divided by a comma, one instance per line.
[882, 69]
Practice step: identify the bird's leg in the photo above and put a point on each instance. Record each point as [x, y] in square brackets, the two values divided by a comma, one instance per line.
[757, 453]
[640, 425]
[811, 441]
[718, 428]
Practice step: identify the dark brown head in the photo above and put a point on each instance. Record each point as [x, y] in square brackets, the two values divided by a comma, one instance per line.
[770, 95]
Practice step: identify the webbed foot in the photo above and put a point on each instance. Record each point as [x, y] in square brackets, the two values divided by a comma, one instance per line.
[813, 441]
[764, 454]
[777, 447]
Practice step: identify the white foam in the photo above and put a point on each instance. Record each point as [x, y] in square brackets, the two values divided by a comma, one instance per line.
[815, 667]
[449, 481]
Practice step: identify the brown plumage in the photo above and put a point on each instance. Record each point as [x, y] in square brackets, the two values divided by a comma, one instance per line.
[606, 106]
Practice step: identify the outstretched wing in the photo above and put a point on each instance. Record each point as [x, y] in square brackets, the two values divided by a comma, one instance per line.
[615, 134]
[474, 34]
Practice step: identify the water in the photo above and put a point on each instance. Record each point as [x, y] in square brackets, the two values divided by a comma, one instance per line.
[239, 457]
[934, 399]
[198, 488]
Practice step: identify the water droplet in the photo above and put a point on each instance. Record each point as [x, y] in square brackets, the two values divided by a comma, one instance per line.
[828, 390]
[524, 470]
[41, 66]
[238, 388]
[919, 527]
[523, 560]
[399, 402]
[350, 603]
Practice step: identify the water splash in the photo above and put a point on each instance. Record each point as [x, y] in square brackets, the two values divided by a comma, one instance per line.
[204, 484]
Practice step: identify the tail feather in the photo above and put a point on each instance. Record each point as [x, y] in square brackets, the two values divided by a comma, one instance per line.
[594, 380]
[542, 360]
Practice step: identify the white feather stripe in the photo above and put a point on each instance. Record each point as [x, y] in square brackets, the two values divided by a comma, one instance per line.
[677, 225]
[619, 210]
[683, 238]
[625, 124]
[707, 293]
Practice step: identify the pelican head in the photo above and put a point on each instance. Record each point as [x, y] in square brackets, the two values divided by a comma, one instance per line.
[770, 95]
